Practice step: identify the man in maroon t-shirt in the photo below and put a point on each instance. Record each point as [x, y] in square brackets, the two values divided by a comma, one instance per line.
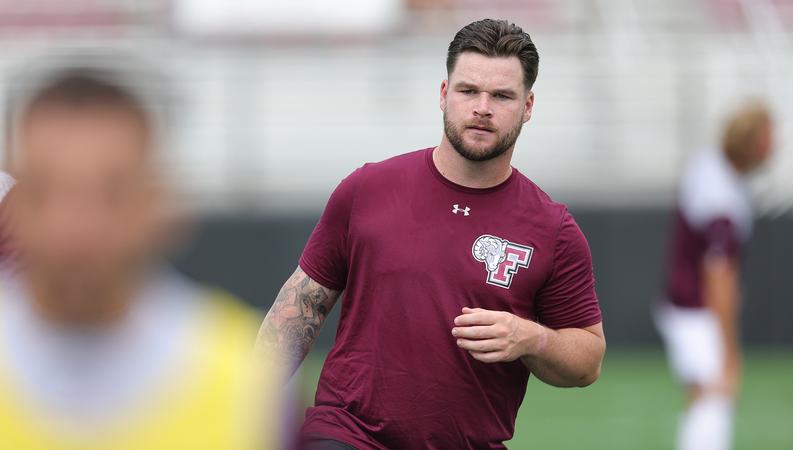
[460, 276]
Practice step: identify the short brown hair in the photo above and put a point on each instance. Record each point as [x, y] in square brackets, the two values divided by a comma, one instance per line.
[76, 88]
[80, 87]
[496, 38]
[79, 79]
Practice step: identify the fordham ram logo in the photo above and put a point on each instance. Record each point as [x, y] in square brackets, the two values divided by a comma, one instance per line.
[501, 258]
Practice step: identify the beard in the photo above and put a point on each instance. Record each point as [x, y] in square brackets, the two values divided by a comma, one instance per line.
[504, 142]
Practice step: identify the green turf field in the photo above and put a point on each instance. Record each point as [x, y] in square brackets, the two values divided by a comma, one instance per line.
[634, 406]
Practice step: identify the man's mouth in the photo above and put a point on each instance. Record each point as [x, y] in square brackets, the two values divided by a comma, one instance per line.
[480, 128]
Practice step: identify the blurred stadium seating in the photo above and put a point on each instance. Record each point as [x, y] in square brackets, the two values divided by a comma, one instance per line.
[626, 89]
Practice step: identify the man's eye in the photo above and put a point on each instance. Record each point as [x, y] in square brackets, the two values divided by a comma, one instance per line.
[467, 91]
[502, 97]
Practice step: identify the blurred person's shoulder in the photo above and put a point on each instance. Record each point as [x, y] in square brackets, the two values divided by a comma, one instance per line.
[231, 309]
[224, 310]
[208, 309]
[232, 381]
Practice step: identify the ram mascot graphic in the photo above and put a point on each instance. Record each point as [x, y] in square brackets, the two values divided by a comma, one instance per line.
[502, 258]
[491, 251]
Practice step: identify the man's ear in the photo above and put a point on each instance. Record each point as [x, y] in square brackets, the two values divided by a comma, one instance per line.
[444, 91]
[529, 106]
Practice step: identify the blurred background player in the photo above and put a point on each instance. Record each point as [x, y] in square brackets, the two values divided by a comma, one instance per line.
[102, 346]
[699, 321]
[461, 277]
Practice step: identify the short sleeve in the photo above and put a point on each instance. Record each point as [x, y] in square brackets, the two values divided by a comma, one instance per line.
[325, 257]
[568, 298]
[721, 238]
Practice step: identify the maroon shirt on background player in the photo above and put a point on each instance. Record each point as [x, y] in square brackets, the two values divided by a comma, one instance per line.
[461, 277]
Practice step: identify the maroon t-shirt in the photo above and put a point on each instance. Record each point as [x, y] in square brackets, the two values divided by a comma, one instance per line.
[410, 249]
[688, 249]
[713, 218]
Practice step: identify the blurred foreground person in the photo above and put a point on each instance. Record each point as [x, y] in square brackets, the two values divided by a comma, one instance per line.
[699, 319]
[102, 346]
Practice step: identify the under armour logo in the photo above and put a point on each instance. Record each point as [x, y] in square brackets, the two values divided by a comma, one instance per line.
[466, 211]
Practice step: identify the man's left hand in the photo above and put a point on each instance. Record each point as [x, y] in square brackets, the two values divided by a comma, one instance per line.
[497, 336]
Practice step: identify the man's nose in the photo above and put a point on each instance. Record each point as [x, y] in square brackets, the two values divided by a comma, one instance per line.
[482, 107]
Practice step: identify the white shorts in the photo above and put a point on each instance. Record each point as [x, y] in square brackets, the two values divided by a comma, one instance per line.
[693, 343]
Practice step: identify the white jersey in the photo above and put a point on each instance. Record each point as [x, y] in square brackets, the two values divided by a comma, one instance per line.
[712, 189]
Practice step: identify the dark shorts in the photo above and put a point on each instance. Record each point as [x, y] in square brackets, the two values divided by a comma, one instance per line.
[320, 443]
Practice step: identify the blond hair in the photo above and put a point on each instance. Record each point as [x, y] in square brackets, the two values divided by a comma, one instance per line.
[743, 129]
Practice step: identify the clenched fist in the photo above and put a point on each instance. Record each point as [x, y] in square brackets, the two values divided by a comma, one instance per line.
[497, 336]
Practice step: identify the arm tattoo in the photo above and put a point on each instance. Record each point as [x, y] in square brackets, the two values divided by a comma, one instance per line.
[294, 320]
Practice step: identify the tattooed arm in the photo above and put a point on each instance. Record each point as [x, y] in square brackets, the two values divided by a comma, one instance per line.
[294, 320]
